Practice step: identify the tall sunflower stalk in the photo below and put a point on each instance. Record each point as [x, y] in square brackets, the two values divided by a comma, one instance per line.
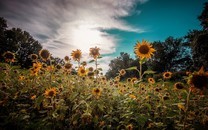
[76, 56]
[94, 52]
[143, 51]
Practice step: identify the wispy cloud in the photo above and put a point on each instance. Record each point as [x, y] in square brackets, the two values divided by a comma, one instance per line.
[64, 25]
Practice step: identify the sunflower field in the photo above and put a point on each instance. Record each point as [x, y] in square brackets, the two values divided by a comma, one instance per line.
[57, 97]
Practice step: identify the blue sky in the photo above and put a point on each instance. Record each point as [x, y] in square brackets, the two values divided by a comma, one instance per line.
[112, 25]
[160, 19]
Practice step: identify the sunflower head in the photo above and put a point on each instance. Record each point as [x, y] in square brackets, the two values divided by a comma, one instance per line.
[94, 52]
[129, 127]
[128, 80]
[133, 79]
[9, 56]
[82, 71]
[34, 57]
[143, 50]
[50, 92]
[178, 85]
[167, 75]
[122, 72]
[199, 79]
[96, 92]
[151, 80]
[68, 66]
[84, 63]
[76, 55]
[91, 69]
[44, 54]
[66, 58]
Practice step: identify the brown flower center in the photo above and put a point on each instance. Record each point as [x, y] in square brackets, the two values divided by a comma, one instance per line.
[144, 49]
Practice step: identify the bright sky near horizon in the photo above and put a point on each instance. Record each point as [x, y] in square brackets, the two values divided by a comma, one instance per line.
[112, 25]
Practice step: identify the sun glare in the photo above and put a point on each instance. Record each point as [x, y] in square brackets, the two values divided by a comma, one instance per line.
[86, 36]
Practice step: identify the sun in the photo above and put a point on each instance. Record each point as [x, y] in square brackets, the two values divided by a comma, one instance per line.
[86, 36]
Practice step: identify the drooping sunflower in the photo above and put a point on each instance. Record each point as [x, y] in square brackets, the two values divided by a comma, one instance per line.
[82, 71]
[199, 79]
[122, 72]
[76, 55]
[151, 80]
[144, 50]
[51, 92]
[44, 54]
[94, 52]
[9, 56]
[91, 69]
[167, 75]
[96, 92]
[178, 85]
[66, 58]
[68, 66]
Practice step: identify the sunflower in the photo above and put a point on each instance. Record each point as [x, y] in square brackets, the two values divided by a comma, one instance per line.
[122, 72]
[68, 66]
[84, 63]
[66, 58]
[94, 52]
[90, 69]
[96, 92]
[133, 80]
[44, 54]
[129, 127]
[37, 66]
[178, 85]
[151, 80]
[199, 79]
[33, 57]
[128, 80]
[167, 75]
[82, 71]
[58, 67]
[143, 50]
[50, 92]
[76, 55]
[132, 96]
[9, 56]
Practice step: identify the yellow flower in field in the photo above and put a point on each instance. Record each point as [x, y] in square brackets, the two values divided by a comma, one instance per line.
[178, 85]
[84, 63]
[9, 56]
[167, 75]
[33, 97]
[33, 57]
[129, 127]
[199, 79]
[117, 78]
[181, 106]
[132, 96]
[76, 55]
[37, 66]
[143, 50]
[94, 52]
[133, 80]
[82, 71]
[90, 69]
[50, 92]
[151, 80]
[44, 54]
[96, 92]
[34, 72]
[122, 72]
[21, 77]
[66, 58]
[68, 66]
[128, 80]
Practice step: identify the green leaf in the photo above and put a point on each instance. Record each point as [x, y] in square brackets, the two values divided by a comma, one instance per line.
[100, 57]
[149, 72]
[38, 101]
[91, 61]
[100, 69]
[132, 68]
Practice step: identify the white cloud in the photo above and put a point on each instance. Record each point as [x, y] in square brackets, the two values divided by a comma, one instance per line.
[66, 25]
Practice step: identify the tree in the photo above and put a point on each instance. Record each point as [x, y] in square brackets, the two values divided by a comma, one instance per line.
[171, 55]
[122, 62]
[204, 17]
[19, 42]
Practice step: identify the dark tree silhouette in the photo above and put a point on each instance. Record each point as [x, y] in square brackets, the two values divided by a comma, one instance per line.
[19, 42]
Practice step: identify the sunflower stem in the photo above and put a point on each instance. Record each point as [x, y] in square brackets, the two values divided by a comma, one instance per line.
[187, 105]
[140, 71]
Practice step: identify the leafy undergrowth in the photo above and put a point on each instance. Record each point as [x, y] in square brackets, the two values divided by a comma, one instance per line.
[57, 99]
